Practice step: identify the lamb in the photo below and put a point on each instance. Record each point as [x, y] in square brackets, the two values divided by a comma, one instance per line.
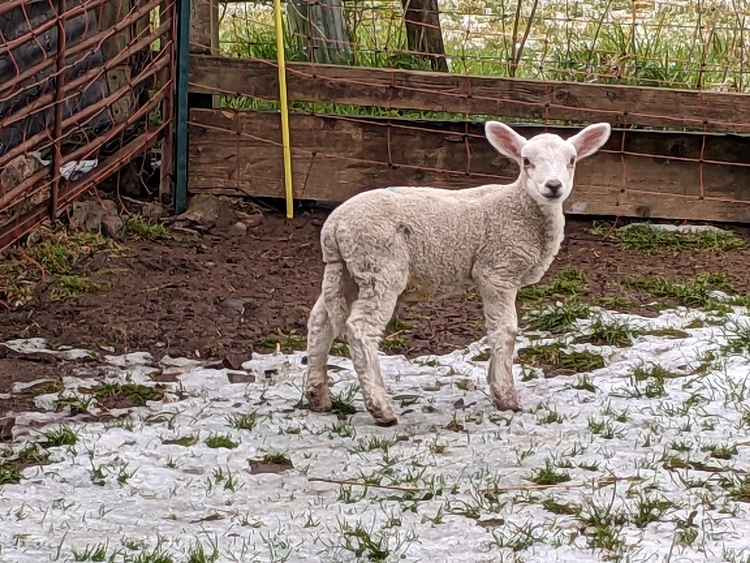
[384, 244]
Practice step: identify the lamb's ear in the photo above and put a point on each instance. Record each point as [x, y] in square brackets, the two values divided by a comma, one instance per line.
[506, 141]
[590, 139]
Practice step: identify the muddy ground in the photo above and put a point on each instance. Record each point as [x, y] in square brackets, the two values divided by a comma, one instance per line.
[224, 295]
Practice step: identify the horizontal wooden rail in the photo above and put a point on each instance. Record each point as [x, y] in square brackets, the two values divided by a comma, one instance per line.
[622, 106]
[639, 173]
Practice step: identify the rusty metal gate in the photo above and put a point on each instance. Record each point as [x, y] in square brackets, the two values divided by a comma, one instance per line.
[85, 87]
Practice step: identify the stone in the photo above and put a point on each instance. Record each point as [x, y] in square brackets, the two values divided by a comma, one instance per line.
[153, 211]
[111, 226]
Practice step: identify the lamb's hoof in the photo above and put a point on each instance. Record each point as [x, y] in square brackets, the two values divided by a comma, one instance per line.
[507, 404]
[320, 404]
[386, 422]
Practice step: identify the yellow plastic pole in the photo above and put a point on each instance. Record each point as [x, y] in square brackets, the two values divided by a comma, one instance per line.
[284, 110]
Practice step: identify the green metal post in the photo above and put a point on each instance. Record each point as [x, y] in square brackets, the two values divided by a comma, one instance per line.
[183, 71]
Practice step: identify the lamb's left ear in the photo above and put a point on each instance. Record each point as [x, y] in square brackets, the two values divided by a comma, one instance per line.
[590, 139]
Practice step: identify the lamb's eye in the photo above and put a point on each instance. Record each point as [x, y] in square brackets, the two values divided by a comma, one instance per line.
[526, 162]
[572, 161]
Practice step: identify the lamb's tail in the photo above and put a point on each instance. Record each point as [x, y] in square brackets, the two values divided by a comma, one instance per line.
[334, 282]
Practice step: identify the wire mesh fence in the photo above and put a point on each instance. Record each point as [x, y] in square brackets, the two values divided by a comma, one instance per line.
[695, 44]
[85, 87]
[672, 76]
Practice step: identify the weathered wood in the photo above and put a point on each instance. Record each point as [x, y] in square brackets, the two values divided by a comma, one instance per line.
[204, 40]
[424, 34]
[334, 159]
[319, 26]
[431, 91]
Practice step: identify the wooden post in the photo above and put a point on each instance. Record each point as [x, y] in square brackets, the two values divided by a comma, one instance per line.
[204, 40]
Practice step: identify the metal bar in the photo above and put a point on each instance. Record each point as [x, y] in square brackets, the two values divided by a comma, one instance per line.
[79, 84]
[11, 232]
[286, 150]
[183, 71]
[167, 148]
[92, 43]
[86, 114]
[59, 102]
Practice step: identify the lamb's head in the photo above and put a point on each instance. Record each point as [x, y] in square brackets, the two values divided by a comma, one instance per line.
[547, 161]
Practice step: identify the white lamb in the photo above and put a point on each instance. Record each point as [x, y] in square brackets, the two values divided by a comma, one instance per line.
[498, 238]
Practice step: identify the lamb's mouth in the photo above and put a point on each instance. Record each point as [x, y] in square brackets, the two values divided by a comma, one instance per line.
[552, 197]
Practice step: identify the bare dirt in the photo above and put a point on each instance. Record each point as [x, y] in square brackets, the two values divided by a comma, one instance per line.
[223, 296]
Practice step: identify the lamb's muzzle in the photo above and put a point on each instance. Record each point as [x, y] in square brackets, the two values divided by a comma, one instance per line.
[382, 244]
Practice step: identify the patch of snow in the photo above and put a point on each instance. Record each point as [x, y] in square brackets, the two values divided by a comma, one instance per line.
[454, 473]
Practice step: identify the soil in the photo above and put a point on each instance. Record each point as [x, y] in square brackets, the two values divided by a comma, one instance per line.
[223, 296]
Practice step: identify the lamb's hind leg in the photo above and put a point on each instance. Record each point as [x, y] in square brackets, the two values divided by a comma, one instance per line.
[320, 336]
[326, 322]
[370, 313]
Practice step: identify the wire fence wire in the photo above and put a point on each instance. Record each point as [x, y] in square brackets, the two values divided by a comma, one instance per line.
[85, 87]
[672, 144]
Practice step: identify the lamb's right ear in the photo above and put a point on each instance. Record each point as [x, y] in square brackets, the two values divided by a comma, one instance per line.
[506, 141]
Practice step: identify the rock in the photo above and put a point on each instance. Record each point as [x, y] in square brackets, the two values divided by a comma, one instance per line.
[112, 226]
[153, 211]
[17, 170]
[6, 428]
[96, 216]
[249, 220]
[234, 361]
[239, 229]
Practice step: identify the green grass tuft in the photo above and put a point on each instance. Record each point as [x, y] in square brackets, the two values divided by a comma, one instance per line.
[552, 357]
[221, 441]
[558, 318]
[646, 239]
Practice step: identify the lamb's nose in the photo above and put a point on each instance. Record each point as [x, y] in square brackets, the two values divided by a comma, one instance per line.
[553, 186]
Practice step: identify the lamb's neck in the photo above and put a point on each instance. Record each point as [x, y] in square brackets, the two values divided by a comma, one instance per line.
[548, 216]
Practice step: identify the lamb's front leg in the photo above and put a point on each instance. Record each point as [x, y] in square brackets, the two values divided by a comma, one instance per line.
[502, 327]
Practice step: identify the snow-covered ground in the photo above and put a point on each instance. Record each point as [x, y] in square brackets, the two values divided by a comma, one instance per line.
[653, 470]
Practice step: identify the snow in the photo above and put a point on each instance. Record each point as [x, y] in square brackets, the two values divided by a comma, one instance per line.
[450, 448]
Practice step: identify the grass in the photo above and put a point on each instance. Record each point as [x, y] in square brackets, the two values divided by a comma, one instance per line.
[198, 554]
[135, 393]
[343, 402]
[62, 436]
[221, 441]
[551, 505]
[690, 293]
[184, 441]
[69, 286]
[738, 338]
[669, 45]
[138, 227]
[558, 318]
[567, 283]
[609, 333]
[97, 552]
[243, 421]
[55, 258]
[552, 357]
[649, 240]
[548, 475]
[286, 342]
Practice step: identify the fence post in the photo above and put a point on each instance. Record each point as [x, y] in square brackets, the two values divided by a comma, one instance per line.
[183, 71]
[59, 114]
[204, 40]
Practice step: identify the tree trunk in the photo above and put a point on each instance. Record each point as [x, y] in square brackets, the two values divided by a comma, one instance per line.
[423, 31]
[319, 29]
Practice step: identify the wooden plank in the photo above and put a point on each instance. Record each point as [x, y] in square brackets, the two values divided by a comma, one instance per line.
[204, 40]
[440, 92]
[334, 159]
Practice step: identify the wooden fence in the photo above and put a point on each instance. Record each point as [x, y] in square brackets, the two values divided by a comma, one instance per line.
[679, 154]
